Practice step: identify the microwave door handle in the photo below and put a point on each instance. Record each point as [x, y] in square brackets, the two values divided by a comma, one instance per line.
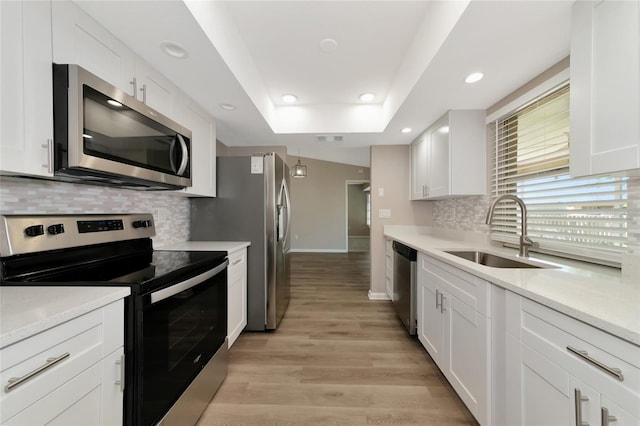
[172, 149]
[185, 155]
[165, 293]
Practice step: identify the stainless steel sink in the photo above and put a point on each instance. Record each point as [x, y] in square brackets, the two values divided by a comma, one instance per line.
[492, 260]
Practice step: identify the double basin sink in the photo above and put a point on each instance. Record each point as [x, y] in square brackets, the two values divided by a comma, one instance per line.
[492, 260]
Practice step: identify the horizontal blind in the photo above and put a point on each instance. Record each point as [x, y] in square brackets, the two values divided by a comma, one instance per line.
[584, 217]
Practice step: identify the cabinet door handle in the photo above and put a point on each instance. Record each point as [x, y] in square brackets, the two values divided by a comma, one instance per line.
[442, 299]
[438, 300]
[605, 418]
[14, 382]
[144, 93]
[49, 147]
[120, 382]
[615, 372]
[578, 400]
[134, 83]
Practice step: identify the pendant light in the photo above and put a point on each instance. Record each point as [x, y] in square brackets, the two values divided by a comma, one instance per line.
[299, 170]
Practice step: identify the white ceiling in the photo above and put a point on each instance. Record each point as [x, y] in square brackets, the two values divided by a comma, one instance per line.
[414, 55]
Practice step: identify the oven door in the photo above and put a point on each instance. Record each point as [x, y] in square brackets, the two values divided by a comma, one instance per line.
[180, 327]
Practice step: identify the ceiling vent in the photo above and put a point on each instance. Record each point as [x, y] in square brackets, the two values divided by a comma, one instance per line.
[328, 138]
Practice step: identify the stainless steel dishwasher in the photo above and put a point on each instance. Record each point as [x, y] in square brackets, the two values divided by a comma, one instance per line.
[404, 285]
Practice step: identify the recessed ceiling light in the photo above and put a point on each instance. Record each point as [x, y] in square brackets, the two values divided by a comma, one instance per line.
[328, 45]
[406, 130]
[174, 50]
[474, 77]
[367, 97]
[289, 98]
[228, 107]
[114, 103]
[444, 129]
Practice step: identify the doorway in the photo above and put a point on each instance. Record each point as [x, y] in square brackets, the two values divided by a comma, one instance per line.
[358, 216]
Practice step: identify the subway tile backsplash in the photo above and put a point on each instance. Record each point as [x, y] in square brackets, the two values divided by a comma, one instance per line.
[30, 196]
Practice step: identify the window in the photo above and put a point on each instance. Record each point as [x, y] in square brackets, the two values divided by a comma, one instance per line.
[582, 217]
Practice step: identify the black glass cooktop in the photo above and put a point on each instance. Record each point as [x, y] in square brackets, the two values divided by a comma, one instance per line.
[142, 271]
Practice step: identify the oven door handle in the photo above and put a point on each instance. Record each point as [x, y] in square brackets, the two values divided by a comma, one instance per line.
[187, 284]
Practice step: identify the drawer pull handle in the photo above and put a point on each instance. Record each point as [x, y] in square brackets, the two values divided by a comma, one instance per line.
[17, 381]
[605, 418]
[615, 372]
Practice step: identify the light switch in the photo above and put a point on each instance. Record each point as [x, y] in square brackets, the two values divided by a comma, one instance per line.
[257, 165]
[380, 192]
[384, 213]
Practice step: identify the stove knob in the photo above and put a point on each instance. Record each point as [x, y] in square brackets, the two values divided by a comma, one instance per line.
[34, 231]
[55, 229]
[142, 224]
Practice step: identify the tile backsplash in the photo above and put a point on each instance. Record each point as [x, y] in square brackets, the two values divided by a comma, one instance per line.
[468, 214]
[29, 196]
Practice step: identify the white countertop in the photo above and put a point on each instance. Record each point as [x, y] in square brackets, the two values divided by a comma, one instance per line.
[25, 311]
[596, 295]
[228, 246]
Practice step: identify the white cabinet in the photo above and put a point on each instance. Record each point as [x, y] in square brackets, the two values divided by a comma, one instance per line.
[26, 94]
[203, 149]
[388, 270]
[454, 327]
[605, 87]
[449, 158]
[155, 90]
[236, 294]
[81, 379]
[419, 168]
[79, 39]
[561, 371]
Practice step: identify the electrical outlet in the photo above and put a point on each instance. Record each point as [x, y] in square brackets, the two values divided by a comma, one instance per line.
[384, 213]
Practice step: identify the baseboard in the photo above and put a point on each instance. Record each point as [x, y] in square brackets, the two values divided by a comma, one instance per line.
[378, 296]
[317, 250]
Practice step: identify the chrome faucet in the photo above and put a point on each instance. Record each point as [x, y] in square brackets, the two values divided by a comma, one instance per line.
[525, 241]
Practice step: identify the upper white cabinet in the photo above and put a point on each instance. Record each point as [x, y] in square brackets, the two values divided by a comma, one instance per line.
[605, 87]
[155, 90]
[203, 149]
[449, 158]
[419, 167]
[79, 39]
[26, 94]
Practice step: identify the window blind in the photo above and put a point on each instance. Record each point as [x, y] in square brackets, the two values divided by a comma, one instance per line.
[582, 217]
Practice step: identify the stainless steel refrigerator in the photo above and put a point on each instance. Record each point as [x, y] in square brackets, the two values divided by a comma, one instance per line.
[252, 204]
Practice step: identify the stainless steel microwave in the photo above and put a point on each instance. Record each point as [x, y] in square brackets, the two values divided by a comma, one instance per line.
[103, 135]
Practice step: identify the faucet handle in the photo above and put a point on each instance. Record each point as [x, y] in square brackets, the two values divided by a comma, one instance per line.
[529, 242]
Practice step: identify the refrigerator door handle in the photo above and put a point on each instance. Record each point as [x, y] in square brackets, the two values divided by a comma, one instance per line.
[287, 201]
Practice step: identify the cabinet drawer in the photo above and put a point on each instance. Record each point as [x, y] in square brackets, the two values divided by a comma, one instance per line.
[552, 334]
[237, 261]
[81, 338]
[74, 403]
[465, 287]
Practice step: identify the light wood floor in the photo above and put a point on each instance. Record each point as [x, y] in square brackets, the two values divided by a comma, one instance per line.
[337, 358]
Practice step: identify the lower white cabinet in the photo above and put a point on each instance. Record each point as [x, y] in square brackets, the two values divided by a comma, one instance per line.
[388, 274]
[70, 374]
[236, 294]
[454, 327]
[562, 372]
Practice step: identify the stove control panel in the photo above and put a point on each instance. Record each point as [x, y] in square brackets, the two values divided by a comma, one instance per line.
[85, 226]
[35, 233]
